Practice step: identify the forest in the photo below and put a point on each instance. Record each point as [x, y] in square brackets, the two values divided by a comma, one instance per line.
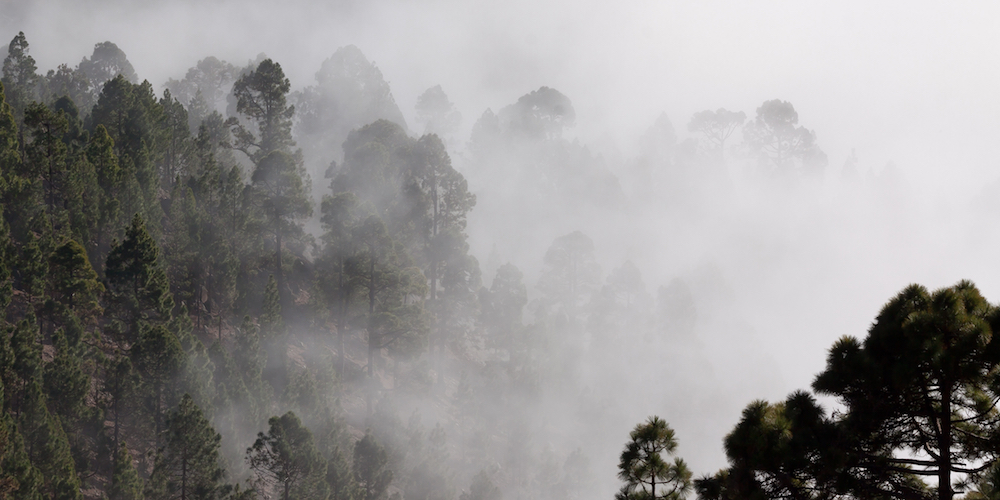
[237, 290]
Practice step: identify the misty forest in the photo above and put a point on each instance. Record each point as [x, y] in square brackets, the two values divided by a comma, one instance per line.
[233, 285]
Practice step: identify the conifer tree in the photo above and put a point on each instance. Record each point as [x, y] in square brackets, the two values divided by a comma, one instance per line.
[65, 383]
[119, 385]
[261, 96]
[25, 364]
[73, 286]
[249, 361]
[18, 477]
[125, 481]
[138, 289]
[19, 75]
[101, 155]
[187, 466]
[285, 460]
[371, 470]
[643, 468]
[47, 446]
[274, 340]
[284, 203]
[47, 153]
[160, 360]
[6, 286]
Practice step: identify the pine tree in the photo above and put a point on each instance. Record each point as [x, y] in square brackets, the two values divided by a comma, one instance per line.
[160, 360]
[47, 446]
[73, 286]
[18, 477]
[285, 460]
[187, 467]
[249, 363]
[261, 97]
[643, 468]
[125, 481]
[119, 386]
[138, 288]
[371, 470]
[101, 155]
[19, 77]
[65, 383]
[25, 365]
[47, 154]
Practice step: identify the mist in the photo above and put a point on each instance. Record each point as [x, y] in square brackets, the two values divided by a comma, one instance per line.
[903, 103]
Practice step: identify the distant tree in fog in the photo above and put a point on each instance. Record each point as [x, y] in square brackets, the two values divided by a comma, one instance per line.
[107, 62]
[20, 80]
[717, 126]
[643, 468]
[677, 311]
[204, 88]
[778, 144]
[570, 275]
[503, 307]
[437, 113]
[482, 488]
[540, 114]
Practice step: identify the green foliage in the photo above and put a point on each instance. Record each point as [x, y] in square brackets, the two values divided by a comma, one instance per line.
[66, 384]
[286, 461]
[922, 381]
[125, 481]
[187, 466]
[642, 466]
[137, 285]
[47, 446]
[371, 470]
[19, 77]
[261, 97]
[159, 359]
[74, 288]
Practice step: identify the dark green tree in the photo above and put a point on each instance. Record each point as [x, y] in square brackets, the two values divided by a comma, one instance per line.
[261, 96]
[159, 359]
[284, 202]
[187, 466]
[371, 470]
[18, 477]
[101, 155]
[919, 391]
[642, 465]
[20, 79]
[74, 289]
[48, 446]
[286, 461]
[137, 285]
[125, 481]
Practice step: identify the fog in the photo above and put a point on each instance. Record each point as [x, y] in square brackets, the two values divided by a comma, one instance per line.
[778, 268]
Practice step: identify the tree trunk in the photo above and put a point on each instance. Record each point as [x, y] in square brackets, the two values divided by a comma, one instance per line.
[944, 444]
